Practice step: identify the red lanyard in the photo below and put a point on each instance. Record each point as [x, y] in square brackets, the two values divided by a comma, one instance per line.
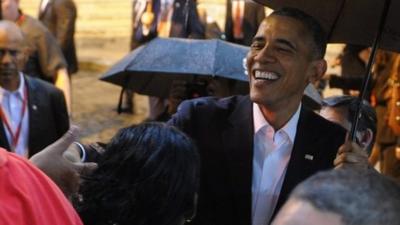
[15, 136]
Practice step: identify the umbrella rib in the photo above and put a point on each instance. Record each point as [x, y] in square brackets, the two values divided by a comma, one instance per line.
[215, 58]
[335, 21]
[139, 54]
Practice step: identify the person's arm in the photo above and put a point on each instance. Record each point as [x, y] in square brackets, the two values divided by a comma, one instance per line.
[63, 82]
[66, 15]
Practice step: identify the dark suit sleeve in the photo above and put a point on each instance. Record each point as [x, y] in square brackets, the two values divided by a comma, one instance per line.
[66, 15]
[60, 111]
[228, 22]
[181, 119]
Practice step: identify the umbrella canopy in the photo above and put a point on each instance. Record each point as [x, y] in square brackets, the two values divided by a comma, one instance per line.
[151, 68]
[350, 21]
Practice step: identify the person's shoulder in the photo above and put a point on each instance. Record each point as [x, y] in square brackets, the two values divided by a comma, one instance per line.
[323, 125]
[214, 103]
[33, 26]
[36, 83]
[193, 113]
[65, 3]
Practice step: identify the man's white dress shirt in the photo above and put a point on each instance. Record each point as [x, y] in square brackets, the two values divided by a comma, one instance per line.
[272, 151]
[12, 103]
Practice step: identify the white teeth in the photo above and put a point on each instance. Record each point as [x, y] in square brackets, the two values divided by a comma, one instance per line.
[265, 75]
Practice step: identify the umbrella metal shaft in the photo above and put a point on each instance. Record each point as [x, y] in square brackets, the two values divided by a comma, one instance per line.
[367, 78]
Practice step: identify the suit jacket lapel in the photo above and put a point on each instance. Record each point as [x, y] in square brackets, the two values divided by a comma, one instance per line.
[304, 157]
[237, 141]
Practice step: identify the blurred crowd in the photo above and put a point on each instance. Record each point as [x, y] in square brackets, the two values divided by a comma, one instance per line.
[214, 150]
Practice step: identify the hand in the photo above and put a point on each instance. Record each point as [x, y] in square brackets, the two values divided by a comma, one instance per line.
[350, 154]
[62, 171]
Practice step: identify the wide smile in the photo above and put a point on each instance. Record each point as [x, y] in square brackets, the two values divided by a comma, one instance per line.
[266, 75]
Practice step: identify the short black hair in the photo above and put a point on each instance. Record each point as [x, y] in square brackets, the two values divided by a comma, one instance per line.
[368, 119]
[147, 175]
[357, 195]
[318, 33]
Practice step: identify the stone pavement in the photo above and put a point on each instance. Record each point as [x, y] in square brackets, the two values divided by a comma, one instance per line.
[94, 104]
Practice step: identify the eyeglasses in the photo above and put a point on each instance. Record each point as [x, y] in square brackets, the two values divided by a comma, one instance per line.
[12, 52]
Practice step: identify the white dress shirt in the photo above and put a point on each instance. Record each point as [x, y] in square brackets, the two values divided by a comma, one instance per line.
[12, 103]
[272, 151]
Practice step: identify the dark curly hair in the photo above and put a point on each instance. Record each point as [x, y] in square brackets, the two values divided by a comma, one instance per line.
[316, 30]
[148, 175]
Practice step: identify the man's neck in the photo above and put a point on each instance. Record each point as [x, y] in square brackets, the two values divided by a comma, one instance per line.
[11, 85]
[277, 117]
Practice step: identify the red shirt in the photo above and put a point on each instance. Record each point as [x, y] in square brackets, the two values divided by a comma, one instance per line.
[28, 196]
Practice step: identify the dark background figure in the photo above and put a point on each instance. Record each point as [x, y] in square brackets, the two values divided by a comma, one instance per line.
[148, 175]
[59, 17]
[45, 59]
[242, 20]
[382, 94]
[343, 197]
[33, 112]
[161, 18]
[353, 70]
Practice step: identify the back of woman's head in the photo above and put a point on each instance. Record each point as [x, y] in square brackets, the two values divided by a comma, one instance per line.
[148, 175]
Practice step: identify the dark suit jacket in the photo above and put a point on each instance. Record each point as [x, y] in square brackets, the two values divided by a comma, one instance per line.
[223, 131]
[59, 17]
[48, 116]
[252, 17]
[194, 29]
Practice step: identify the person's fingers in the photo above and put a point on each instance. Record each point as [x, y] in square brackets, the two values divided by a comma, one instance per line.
[346, 147]
[351, 158]
[85, 168]
[65, 141]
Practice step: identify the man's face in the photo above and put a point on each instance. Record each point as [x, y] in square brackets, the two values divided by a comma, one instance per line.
[10, 9]
[10, 55]
[299, 212]
[280, 62]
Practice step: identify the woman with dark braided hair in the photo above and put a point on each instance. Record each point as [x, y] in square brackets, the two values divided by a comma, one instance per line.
[148, 175]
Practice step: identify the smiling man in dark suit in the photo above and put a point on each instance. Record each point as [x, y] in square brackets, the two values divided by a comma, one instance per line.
[255, 149]
[33, 112]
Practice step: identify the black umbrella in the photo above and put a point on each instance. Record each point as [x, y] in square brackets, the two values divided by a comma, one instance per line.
[365, 22]
[151, 68]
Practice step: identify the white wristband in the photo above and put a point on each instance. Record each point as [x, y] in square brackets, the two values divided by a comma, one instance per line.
[83, 158]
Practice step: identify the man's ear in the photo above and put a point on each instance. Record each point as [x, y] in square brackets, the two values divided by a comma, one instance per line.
[318, 70]
[366, 137]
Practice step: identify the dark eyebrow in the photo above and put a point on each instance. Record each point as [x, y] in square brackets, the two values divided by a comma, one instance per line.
[258, 39]
[287, 43]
